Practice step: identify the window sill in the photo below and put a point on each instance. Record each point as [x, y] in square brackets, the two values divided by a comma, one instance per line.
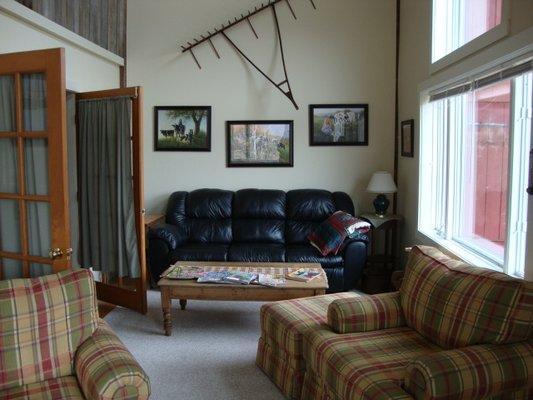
[460, 252]
[482, 41]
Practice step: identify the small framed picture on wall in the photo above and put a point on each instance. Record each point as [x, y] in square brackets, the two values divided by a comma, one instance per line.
[260, 143]
[338, 125]
[408, 138]
[182, 128]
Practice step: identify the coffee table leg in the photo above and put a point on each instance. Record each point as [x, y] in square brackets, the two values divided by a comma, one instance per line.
[166, 304]
[183, 303]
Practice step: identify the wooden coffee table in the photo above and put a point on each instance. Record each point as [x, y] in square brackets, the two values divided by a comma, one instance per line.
[185, 290]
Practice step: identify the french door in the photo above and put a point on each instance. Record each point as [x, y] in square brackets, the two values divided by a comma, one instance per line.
[34, 224]
[35, 234]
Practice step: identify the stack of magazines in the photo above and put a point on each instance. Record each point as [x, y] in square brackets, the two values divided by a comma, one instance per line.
[183, 272]
[237, 277]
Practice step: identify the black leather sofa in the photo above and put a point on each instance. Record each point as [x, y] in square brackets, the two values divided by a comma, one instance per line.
[253, 225]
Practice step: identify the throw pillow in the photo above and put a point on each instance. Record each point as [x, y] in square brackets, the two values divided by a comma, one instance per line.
[331, 233]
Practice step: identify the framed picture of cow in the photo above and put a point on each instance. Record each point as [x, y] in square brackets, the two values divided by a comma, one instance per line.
[338, 125]
[182, 128]
[260, 143]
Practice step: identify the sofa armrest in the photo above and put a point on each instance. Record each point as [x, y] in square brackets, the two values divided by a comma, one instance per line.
[106, 369]
[354, 255]
[366, 313]
[474, 372]
[172, 235]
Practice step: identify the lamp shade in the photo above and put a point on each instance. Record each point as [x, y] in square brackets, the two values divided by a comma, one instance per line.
[381, 182]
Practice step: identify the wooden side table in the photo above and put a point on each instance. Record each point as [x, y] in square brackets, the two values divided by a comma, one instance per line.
[384, 255]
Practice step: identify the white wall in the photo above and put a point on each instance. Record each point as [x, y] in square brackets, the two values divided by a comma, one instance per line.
[85, 71]
[343, 52]
[415, 46]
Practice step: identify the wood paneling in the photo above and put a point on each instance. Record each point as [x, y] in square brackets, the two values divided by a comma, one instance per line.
[101, 21]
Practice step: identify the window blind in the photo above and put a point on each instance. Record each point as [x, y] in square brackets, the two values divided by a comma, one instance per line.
[486, 80]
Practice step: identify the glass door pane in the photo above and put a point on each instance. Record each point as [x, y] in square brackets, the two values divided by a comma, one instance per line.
[34, 106]
[10, 269]
[10, 226]
[7, 103]
[36, 166]
[8, 165]
[38, 220]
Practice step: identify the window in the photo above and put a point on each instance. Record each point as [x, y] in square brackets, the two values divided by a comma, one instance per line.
[475, 143]
[457, 23]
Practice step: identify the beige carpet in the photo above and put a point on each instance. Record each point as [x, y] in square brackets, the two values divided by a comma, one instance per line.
[210, 355]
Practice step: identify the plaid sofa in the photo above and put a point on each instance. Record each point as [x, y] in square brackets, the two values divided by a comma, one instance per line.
[452, 331]
[54, 346]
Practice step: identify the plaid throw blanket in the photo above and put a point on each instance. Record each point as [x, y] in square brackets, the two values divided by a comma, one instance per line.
[330, 235]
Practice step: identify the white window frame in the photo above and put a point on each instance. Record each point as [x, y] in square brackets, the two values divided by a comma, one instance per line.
[498, 32]
[438, 203]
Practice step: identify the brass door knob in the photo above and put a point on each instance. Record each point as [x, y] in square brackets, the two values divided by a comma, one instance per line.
[58, 253]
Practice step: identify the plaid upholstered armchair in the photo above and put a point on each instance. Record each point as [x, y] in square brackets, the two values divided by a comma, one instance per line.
[54, 346]
[452, 331]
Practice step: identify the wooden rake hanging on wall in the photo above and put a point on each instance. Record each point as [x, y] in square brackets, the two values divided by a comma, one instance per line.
[283, 86]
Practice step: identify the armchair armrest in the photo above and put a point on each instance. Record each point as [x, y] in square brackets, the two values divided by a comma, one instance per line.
[474, 372]
[106, 369]
[366, 313]
[172, 235]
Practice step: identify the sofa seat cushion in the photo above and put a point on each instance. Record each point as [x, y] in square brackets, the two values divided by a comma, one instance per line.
[456, 305]
[368, 365]
[64, 388]
[256, 252]
[283, 323]
[200, 252]
[305, 253]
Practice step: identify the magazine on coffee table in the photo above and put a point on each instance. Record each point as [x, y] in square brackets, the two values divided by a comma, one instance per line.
[270, 280]
[302, 275]
[183, 272]
[228, 277]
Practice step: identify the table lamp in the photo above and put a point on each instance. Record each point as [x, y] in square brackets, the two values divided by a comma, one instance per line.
[381, 183]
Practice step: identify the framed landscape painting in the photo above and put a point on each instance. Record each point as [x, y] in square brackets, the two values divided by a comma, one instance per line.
[338, 124]
[260, 143]
[182, 128]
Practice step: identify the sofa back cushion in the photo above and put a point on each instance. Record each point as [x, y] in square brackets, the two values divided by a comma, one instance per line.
[259, 216]
[455, 305]
[204, 215]
[42, 323]
[307, 208]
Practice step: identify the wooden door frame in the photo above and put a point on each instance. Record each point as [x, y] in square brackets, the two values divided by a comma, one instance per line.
[51, 62]
[114, 294]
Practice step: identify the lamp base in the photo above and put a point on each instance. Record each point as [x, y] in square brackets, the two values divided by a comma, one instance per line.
[381, 204]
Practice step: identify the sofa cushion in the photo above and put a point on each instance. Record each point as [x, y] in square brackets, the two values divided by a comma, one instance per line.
[259, 231]
[309, 205]
[256, 252]
[296, 232]
[256, 203]
[457, 305]
[43, 322]
[200, 252]
[283, 323]
[64, 388]
[369, 365]
[305, 253]
[210, 230]
[209, 203]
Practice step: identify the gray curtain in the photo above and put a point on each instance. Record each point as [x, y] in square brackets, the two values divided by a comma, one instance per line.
[107, 223]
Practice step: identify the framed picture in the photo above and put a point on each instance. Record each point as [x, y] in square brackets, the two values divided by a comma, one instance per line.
[408, 138]
[338, 125]
[260, 143]
[182, 128]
